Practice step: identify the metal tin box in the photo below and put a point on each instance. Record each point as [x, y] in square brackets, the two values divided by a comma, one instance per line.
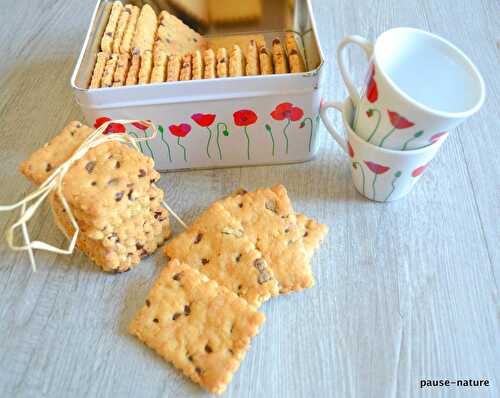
[246, 129]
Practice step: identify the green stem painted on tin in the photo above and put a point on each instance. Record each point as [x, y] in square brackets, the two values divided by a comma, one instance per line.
[373, 186]
[357, 164]
[209, 140]
[167, 144]
[137, 142]
[379, 118]
[310, 132]
[248, 142]
[387, 136]
[218, 137]
[285, 135]
[268, 129]
[183, 147]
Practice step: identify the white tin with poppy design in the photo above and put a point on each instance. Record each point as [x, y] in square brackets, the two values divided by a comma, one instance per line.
[251, 120]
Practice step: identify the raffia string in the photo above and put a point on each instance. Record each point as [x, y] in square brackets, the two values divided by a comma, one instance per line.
[54, 183]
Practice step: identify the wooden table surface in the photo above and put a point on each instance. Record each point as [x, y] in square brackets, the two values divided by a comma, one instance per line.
[405, 291]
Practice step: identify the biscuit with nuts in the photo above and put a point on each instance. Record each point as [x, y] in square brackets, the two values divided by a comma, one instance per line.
[109, 32]
[216, 246]
[202, 328]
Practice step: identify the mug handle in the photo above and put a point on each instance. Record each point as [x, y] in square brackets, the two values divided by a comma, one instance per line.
[329, 126]
[368, 49]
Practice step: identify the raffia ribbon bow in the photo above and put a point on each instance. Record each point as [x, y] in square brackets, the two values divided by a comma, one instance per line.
[54, 183]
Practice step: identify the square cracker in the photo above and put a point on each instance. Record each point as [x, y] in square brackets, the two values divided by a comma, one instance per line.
[269, 221]
[202, 328]
[107, 184]
[313, 233]
[215, 245]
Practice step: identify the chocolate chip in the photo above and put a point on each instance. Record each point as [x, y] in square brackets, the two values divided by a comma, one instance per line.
[190, 358]
[109, 34]
[144, 253]
[293, 52]
[119, 196]
[287, 230]
[198, 238]
[198, 370]
[177, 277]
[260, 264]
[78, 125]
[72, 133]
[187, 310]
[238, 258]
[148, 303]
[90, 166]
[205, 261]
[195, 39]
[305, 234]
[113, 181]
[231, 351]
[271, 206]
[276, 41]
[208, 349]
[129, 195]
[48, 167]
[240, 205]
[157, 214]
[156, 320]
[142, 173]
[176, 316]
[118, 165]
[138, 246]
[94, 183]
[263, 277]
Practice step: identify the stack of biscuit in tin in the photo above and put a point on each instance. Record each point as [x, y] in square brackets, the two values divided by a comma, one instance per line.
[139, 47]
[244, 249]
[112, 195]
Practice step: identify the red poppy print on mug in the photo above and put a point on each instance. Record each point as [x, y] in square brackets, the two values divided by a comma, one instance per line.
[371, 89]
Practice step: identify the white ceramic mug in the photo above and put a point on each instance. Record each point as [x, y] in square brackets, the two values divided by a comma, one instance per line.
[379, 174]
[419, 86]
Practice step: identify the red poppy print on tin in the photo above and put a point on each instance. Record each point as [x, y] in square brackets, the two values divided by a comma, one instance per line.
[245, 118]
[113, 128]
[180, 130]
[287, 111]
[203, 120]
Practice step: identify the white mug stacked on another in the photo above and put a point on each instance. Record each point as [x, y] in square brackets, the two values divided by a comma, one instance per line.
[419, 86]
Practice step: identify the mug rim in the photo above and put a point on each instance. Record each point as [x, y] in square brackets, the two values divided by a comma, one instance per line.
[348, 103]
[465, 59]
